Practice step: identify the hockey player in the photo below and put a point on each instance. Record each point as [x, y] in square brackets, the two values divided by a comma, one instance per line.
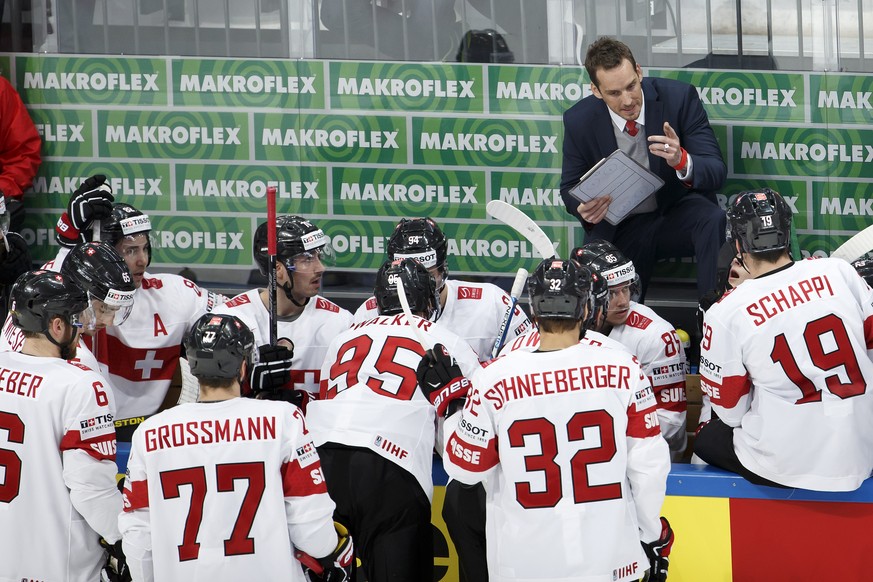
[567, 438]
[227, 489]
[375, 430]
[99, 270]
[142, 355]
[472, 310]
[864, 267]
[307, 322]
[57, 440]
[646, 335]
[784, 359]
[475, 312]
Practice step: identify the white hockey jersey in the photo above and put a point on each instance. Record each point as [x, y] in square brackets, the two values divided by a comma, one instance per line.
[654, 342]
[474, 311]
[140, 357]
[786, 359]
[370, 396]
[12, 340]
[319, 323]
[224, 491]
[575, 464]
[58, 492]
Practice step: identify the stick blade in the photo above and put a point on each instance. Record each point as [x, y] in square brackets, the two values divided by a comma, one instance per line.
[856, 247]
[521, 222]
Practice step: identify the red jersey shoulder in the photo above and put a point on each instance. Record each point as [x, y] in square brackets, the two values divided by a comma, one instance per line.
[238, 300]
[638, 320]
[327, 305]
[466, 292]
[80, 365]
[371, 304]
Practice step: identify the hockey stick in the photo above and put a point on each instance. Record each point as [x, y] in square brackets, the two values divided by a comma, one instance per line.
[404, 303]
[517, 289]
[271, 263]
[512, 216]
[856, 247]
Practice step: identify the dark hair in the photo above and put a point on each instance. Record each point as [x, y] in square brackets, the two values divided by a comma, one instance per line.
[606, 53]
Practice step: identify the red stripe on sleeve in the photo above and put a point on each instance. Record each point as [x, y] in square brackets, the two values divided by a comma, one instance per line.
[471, 457]
[727, 393]
[672, 397]
[136, 495]
[300, 482]
[100, 447]
[644, 423]
[868, 332]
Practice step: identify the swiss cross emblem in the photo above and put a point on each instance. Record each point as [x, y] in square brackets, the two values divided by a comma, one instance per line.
[90, 251]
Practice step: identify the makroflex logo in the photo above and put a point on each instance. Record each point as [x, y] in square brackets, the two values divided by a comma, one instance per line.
[207, 240]
[249, 83]
[93, 80]
[536, 90]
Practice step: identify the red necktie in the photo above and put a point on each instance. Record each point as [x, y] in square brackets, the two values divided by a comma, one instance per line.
[631, 127]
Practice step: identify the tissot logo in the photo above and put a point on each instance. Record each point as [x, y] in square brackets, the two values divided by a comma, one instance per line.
[92, 81]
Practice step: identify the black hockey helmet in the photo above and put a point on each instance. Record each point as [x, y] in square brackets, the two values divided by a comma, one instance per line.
[217, 345]
[760, 220]
[865, 269]
[418, 283]
[295, 236]
[40, 296]
[101, 271]
[605, 258]
[420, 239]
[598, 301]
[559, 289]
[126, 221]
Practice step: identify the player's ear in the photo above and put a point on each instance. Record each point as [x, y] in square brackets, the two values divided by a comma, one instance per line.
[595, 91]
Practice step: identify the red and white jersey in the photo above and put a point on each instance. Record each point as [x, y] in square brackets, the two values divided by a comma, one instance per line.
[654, 342]
[370, 397]
[575, 464]
[311, 332]
[474, 311]
[785, 359]
[12, 340]
[530, 342]
[140, 356]
[58, 492]
[224, 491]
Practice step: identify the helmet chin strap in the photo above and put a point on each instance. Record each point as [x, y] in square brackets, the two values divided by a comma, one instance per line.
[65, 347]
[288, 287]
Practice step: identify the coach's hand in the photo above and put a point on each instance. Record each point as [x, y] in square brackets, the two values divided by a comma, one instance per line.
[440, 378]
[595, 209]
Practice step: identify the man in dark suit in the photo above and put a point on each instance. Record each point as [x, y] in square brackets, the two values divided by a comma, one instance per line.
[678, 144]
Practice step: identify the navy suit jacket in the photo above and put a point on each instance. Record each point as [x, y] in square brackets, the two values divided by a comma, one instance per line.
[589, 137]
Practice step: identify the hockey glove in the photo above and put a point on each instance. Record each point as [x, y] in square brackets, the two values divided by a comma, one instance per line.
[91, 201]
[337, 566]
[16, 261]
[440, 378]
[115, 569]
[271, 372]
[658, 553]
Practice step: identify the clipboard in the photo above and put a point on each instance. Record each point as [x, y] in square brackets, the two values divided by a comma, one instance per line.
[623, 178]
